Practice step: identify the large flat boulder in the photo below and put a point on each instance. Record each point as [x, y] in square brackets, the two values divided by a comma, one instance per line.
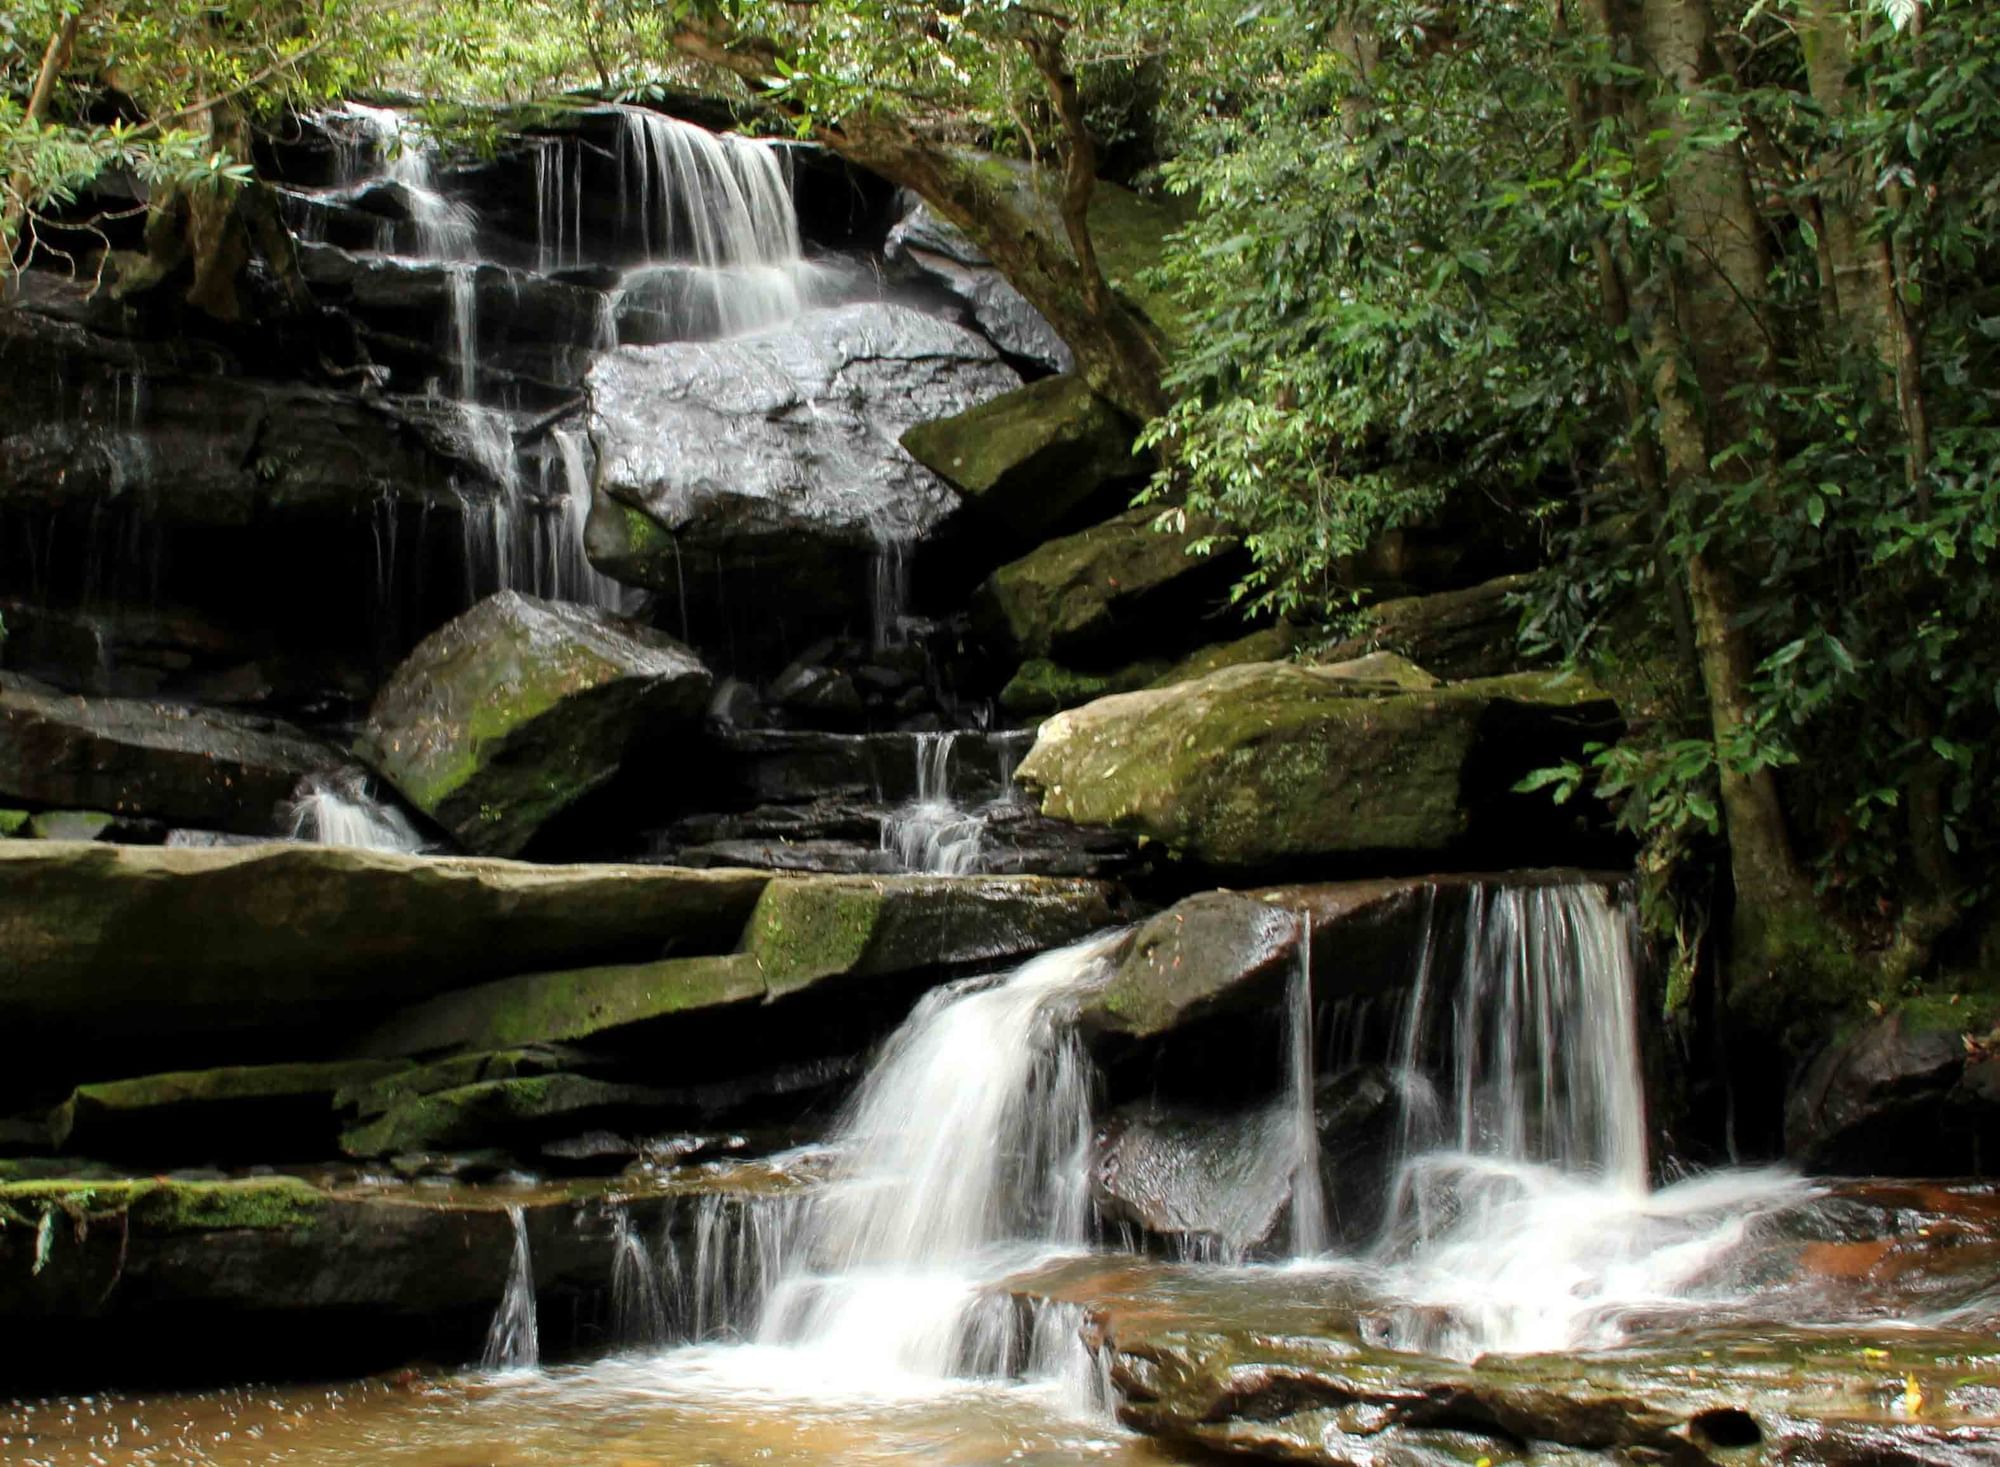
[1097, 597]
[779, 449]
[1265, 763]
[169, 762]
[237, 951]
[508, 715]
[1030, 461]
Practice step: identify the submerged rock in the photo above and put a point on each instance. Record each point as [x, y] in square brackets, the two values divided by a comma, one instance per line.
[1029, 461]
[778, 450]
[167, 762]
[1110, 591]
[237, 950]
[1358, 757]
[508, 715]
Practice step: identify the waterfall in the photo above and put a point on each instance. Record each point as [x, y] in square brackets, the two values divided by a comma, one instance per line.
[889, 597]
[967, 1148]
[638, 1302]
[330, 810]
[1309, 1230]
[1520, 1217]
[930, 833]
[512, 1342]
[715, 1284]
[717, 231]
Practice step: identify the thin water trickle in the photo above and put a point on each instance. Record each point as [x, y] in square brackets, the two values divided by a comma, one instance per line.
[931, 833]
[331, 810]
[513, 1341]
[1309, 1229]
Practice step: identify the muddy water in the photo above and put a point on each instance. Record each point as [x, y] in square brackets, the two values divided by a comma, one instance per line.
[689, 1408]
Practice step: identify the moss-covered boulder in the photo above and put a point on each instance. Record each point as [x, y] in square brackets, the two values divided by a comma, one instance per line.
[1099, 596]
[181, 765]
[545, 1008]
[281, 951]
[1271, 762]
[265, 1113]
[1042, 686]
[1030, 461]
[1456, 634]
[808, 930]
[13, 823]
[508, 715]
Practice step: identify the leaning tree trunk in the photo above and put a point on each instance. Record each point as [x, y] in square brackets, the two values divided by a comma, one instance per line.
[15, 208]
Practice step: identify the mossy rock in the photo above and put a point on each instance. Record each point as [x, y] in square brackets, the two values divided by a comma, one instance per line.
[13, 822]
[1212, 952]
[247, 1112]
[511, 713]
[242, 953]
[1027, 462]
[808, 930]
[165, 1205]
[514, 1112]
[1107, 592]
[1468, 633]
[544, 1008]
[71, 825]
[1266, 763]
[368, 1098]
[1042, 686]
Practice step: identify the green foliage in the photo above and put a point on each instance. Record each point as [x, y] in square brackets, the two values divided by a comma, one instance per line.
[1396, 292]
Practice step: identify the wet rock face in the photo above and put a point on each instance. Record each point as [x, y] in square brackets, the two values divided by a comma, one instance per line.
[779, 449]
[1914, 1091]
[930, 250]
[1362, 757]
[166, 762]
[508, 715]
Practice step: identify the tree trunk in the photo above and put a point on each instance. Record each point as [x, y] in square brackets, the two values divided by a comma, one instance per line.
[1709, 320]
[14, 208]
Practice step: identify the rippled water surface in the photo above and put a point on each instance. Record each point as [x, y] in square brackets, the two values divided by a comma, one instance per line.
[690, 1408]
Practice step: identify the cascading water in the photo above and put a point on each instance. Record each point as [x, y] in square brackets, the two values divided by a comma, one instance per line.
[1520, 1217]
[717, 230]
[331, 811]
[513, 1341]
[967, 1148]
[931, 833]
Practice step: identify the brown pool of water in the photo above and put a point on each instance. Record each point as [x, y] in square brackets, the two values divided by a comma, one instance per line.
[694, 1408]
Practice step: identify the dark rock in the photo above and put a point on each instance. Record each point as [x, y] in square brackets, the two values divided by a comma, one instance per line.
[1099, 596]
[778, 450]
[240, 952]
[151, 1281]
[1041, 686]
[250, 1113]
[520, 1112]
[1361, 758]
[819, 693]
[1471, 633]
[510, 714]
[127, 757]
[1910, 1092]
[933, 251]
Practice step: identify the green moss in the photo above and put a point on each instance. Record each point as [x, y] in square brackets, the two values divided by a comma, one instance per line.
[806, 930]
[12, 822]
[161, 1205]
[1042, 686]
[545, 1008]
[495, 1110]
